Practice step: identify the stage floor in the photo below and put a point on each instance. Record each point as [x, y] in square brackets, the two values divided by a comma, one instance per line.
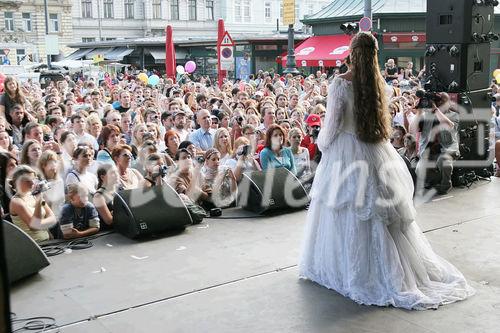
[240, 275]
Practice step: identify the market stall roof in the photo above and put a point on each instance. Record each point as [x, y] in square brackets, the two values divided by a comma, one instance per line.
[321, 51]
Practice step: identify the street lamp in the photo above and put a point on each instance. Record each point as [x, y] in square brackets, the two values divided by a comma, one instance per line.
[46, 6]
[290, 58]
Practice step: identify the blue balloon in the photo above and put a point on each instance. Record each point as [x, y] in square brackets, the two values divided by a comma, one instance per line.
[153, 80]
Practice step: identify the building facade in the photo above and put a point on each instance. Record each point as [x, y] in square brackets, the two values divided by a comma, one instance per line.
[22, 34]
[101, 20]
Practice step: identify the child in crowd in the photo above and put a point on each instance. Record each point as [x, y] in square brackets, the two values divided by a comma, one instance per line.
[79, 218]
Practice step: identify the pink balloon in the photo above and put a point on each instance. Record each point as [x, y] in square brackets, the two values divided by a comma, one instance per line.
[190, 66]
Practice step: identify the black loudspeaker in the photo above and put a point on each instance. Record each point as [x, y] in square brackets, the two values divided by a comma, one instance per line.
[271, 190]
[459, 67]
[459, 21]
[155, 210]
[24, 256]
[4, 287]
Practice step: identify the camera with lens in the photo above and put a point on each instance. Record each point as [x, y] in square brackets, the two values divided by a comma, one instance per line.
[240, 120]
[200, 160]
[47, 137]
[315, 132]
[244, 150]
[42, 186]
[163, 170]
[426, 99]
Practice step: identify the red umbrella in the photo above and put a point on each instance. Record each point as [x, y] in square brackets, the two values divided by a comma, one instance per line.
[169, 54]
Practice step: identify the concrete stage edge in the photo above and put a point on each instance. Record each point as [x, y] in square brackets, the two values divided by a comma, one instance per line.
[240, 275]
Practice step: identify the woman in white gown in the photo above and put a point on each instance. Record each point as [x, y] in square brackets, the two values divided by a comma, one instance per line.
[361, 236]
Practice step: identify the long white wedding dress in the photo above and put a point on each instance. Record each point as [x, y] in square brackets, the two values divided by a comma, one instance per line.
[361, 236]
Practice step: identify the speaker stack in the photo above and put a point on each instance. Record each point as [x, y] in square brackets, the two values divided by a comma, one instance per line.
[457, 59]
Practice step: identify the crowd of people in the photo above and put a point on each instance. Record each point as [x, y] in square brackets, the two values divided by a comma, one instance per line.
[67, 149]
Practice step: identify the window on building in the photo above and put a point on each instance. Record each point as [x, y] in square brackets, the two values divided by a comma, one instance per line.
[88, 39]
[54, 22]
[297, 11]
[20, 55]
[281, 12]
[129, 9]
[108, 8]
[237, 11]
[192, 10]
[9, 21]
[210, 10]
[27, 22]
[246, 11]
[156, 9]
[267, 11]
[109, 38]
[174, 9]
[86, 8]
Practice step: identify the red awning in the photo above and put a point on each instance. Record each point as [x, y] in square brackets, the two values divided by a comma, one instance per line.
[404, 37]
[321, 51]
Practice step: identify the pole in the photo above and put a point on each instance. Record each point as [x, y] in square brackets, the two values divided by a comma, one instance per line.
[290, 58]
[46, 5]
[368, 9]
[99, 19]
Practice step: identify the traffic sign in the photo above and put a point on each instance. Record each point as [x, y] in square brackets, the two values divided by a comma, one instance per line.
[227, 40]
[226, 57]
[365, 24]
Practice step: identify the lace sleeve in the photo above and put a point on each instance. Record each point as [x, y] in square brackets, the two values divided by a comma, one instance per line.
[336, 105]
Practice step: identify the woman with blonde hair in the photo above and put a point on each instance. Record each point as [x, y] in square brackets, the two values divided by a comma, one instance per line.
[222, 142]
[361, 236]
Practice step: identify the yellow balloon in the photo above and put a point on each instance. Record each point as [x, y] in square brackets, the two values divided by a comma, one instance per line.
[497, 78]
[143, 77]
[496, 73]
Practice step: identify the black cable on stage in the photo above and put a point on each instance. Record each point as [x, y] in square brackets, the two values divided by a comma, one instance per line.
[38, 324]
[51, 250]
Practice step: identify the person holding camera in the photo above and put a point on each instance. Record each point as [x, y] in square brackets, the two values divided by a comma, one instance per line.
[243, 159]
[156, 171]
[437, 124]
[27, 207]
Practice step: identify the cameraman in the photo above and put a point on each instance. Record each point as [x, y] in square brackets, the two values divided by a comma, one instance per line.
[437, 124]
[313, 122]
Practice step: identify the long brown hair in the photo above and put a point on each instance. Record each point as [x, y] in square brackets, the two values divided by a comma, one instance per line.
[17, 95]
[370, 101]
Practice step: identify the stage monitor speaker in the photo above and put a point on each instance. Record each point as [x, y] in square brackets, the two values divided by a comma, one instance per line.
[24, 256]
[155, 210]
[458, 21]
[271, 190]
[459, 67]
[5, 318]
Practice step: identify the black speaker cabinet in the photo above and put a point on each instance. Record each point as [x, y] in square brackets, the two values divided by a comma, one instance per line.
[155, 210]
[4, 287]
[24, 256]
[271, 190]
[466, 65]
[457, 21]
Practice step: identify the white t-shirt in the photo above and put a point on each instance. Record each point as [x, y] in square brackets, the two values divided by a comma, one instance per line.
[87, 179]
